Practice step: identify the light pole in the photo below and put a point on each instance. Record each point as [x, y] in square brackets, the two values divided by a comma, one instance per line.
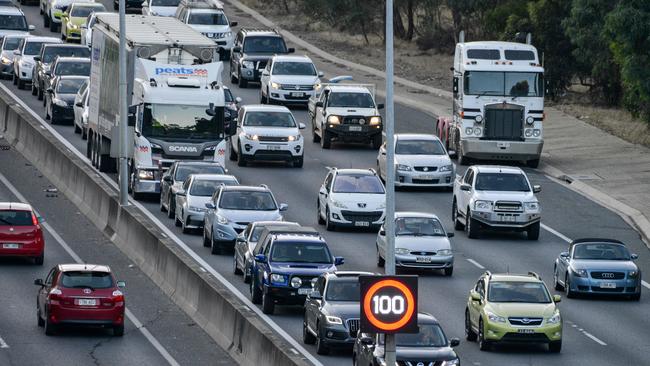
[123, 128]
[390, 354]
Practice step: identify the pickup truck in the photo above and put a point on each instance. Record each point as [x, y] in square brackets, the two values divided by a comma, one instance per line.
[495, 197]
[345, 113]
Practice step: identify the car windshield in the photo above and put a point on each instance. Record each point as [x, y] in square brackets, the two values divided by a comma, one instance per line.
[73, 68]
[419, 147]
[515, 291]
[499, 83]
[11, 43]
[69, 86]
[360, 183]
[269, 119]
[350, 100]
[264, 45]
[429, 335]
[178, 121]
[86, 279]
[52, 52]
[184, 171]
[247, 200]
[206, 188]
[294, 68]
[503, 182]
[165, 2]
[32, 48]
[13, 22]
[16, 218]
[343, 290]
[207, 19]
[300, 252]
[418, 226]
[86, 10]
[601, 251]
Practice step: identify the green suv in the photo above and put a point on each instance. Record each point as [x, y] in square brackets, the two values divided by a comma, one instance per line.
[513, 308]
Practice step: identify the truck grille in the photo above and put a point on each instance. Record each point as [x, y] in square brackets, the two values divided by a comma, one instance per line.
[361, 216]
[608, 275]
[525, 321]
[355, 120]
[273, 138]
[504, 122]
[296, 87]
[353, 327]
[509, 206]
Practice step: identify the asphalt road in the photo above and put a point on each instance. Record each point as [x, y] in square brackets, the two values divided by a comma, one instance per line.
[601, 331]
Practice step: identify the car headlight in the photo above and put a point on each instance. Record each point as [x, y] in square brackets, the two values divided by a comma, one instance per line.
[73, 26]
[402, 251]
[339, 204]
[376, 120]
[334, 319]
[554, 319]
[296, 282]
[453, 362]
[151, 12]
[483, 205]
[495, 318]
[251, 137]
[333, 120]
[275, 85]
[145, 174]
[222, 220]
[382, 205]
[531, 206]
[633, 274]
[446, 168]
[278, 278]
[402, 167]
[317, 86]
[5, 60]
[224, 35]
[248, 64]
[444, 252]
[294, 138]
[197, 209]
[59, 102]
[579, 272]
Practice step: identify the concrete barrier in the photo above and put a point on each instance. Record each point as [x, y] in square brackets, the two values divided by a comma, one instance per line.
[229, 321]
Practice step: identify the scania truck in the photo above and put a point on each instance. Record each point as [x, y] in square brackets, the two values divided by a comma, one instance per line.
[498, 103]
[175, 98]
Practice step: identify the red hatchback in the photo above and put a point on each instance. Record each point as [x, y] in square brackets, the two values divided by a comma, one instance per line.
[80, 294]
[20, 232]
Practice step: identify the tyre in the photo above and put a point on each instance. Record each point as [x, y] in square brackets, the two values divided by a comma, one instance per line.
[38, 260]
[314, 135]
[14, 79]
[50, 328]
[233, 155]
[307, 337]
[46, 20]
[326, 140]
[321, 221]
[471, 226]
[483, 344]
[298, 162]
[118, 330]
[39, 319]
[215, 247]
[171, 206]
[321, 346]
[454, 217]
[555, 347]
[329, 225]
[556, 282]
[462, 159]
[241, 161]
[470, 335]
[376, 142]
[533, 231]
[84, 134]
[206, 240]
[177, 221]
[53, 26]
[235, 266]
[116, 6]
[256, 293]
[533, 164]
[636, 297]
[449, 271]
[381, 262]
[39, 93]
[570, 294]
[242, 82]
[184, 227]
[34, 90]
[268, 306]
[77, 130]
[21, 84]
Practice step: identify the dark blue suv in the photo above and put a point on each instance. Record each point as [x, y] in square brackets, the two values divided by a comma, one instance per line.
[287, 266]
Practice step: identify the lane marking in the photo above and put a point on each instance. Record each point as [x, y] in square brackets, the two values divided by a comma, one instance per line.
[477, 264]
[556, 233]
[3, 344]
[593, 338]
[154, 342]
[645, 284]
[280, 331]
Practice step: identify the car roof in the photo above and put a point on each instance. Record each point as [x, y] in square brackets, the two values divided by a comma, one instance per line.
[265, 108]
[260, 32]
[214, 177]
[273, 224]
[348, 274]
[42, 39]
[203, 10]
[308, 236]
[247, 188]
[15, 206]
[190, 162]
[73, 59]
[86, 4]
[10, 10]
[84, 267]
[416, 136]
[498, 169]
[342, 88]
[355, 172]
[514, 277]
[426, 318]
[595, 240]
[66, 45]
[290, 230]
[415, 214]
[293, 58]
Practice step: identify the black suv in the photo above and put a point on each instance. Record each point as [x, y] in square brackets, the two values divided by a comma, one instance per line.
[332, 311]
[251, 51]
[428, 347]
[49, 52]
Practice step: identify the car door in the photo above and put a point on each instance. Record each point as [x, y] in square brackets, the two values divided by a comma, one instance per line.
[44, 290]
[563, 264]
[234, 139]
[181, 199]
[165, 187]
[312, 306]
[261, 268]
[241, 246]
[235, 56]
[475, 306]
[381, 241]
[319, 111]
[323, 193]
[209, 217]
[381, 160]
[465, 196]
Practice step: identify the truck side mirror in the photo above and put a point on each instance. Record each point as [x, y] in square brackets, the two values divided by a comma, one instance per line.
[455, 87]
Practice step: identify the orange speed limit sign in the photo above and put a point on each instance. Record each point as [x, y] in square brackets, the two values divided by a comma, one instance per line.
[389, 304]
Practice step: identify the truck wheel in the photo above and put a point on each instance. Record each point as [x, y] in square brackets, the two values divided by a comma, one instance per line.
[462, 159]
[454, 217]
[533, 231]
[471, 226]
[533, 163]
[376, 142]
[233, 155]
[326, 140]
[241, 160]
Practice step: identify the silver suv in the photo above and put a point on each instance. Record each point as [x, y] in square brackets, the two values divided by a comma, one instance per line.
[496, 197]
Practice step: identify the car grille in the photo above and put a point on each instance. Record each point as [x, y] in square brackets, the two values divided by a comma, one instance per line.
[504, 122]
[361, 216]
[523, 337]
[525, 321]
[423, 253]
[416, 363]
[273, 138]
[306, 280]
[425, 181]
[296, 87]
[608, 275]
[425, 168]
[355, 120]
[353, 327]
[259, 65]
[509, 206]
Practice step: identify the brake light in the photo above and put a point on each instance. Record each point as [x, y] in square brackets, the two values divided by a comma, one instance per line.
[34, 219]
[55, 295]
[118, 298]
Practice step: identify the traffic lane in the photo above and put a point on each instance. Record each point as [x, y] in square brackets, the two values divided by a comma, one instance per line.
[177, 333]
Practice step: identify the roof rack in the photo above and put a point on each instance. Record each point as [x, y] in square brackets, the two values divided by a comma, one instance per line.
[254, 29]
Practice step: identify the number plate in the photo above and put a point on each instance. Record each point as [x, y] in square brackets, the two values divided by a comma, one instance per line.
[304, 291]
[86, 302]
[423, 259]
[507, 218]
[355, 128]
[424, 177]
[607, 285]
[297, 95]
[273, 147]
[503, 145]
[526, 331]
[362, 223]
[10, 246]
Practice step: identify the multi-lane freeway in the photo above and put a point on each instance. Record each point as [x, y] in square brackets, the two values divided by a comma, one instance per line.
[599, 331]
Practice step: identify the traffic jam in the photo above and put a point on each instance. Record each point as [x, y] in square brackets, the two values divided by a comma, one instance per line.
[191, 134]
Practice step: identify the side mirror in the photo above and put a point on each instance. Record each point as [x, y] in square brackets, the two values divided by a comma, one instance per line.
[475, 295]
[260, 258]
[634, 256]
[564, 255]
[40, 219]
[454, 342]
[236, 49]
[315, 295]
[65, 14]
[302, 126]
[210, 206]
[238, 100]
[168, 178]
[321, 74]
[17, 52]
[537, 188]
[382, 231]
[181, 192]
[240, 239]
[368, 341]
[31, 27]
[37, 58]
[39, 282]
[557, 298]
[338, 261]
[319, 104]
[465, 187]
[291, 50]
[233, 24]
[79, 104]
[144, 4]
[322, 190]
[265, 72]
[50, 90]
[48, 73]
[121, 284]
[380, 105]
[450, 235]
[84, 26]
[284, 207]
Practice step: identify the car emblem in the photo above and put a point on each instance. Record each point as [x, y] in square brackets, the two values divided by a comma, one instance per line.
[297, 87]
[87, 291]
[420, 363]
[607, 275]
[361, 205]
[11, 229]
[426, 168]
[525, 320]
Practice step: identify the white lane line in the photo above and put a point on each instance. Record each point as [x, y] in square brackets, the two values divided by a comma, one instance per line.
[154, 342]
[477, 264]
[3, 344]
[594, 338]
[556, 233]
[287, 337]
[645, 284]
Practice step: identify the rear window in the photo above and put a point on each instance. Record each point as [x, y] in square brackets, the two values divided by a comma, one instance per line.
[86, 279]
[483, 54]
[64, 51]
[16, 218]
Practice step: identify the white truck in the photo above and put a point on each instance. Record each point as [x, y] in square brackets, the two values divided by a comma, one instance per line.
[175, 97]
[346, 113]
[498, 103]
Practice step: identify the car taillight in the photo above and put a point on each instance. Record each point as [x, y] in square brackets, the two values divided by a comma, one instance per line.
[55, 295]
[118, 297]
[34, 220]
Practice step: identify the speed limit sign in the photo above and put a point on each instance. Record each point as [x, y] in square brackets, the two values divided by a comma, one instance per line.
[389, 304]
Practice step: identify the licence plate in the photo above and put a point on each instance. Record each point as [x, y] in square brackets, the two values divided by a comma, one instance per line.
[273, 147]
[423, 259]
[355, 128]
[507, 218]
[304, 291]
[298, 95]
[607, 285]
[10, 246]
[526, 331]
[86, 302]
[425, 177]
[503, 145]
[361, 223]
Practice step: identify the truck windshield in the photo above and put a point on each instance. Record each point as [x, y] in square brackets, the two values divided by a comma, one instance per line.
[351, 100]
[173, 121]
[207, 19]
[264, 45]
[498, 83]
[501, 182]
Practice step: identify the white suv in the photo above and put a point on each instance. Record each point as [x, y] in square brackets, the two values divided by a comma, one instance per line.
[209, 19]
[352, 198]
[289, 79]
[267, 133]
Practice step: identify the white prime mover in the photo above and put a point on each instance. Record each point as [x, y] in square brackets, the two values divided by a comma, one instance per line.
[498, 105]
[172, 86]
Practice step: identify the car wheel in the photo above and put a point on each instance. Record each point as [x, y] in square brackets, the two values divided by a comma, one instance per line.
[555, 347]
[21, 84]
[50, 328]
[298, 162]
[321, 221]
[233, 154]
[256, 293]
[307, 337]
[533, 231]
[471, 226]
[118, 330]
[326, 140]
[567, 288]
[449, 271]
[206, 240]
[184, 227]
[533, 163]
[34, 90]
[215, 247]
[241, 160]
[321, 347]
[454, 217]
[242, 82]
[483, 344]
[77, 130]
[556, 282]
[171, 206]
[470, 335]
[46, 20]
[235, 266]
[39, 94]
[39, 318]
[177, 222]
[462, 159]
[314, 135]
[247, 275]
[329, 225]
[381, 262]
[38, 260]
[14, 79]
[636, 297]
[376, 142]
[84, 133]
[268, 306]
[53, 26]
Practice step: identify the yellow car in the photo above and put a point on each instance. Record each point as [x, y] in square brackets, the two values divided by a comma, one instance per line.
[75, 18]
